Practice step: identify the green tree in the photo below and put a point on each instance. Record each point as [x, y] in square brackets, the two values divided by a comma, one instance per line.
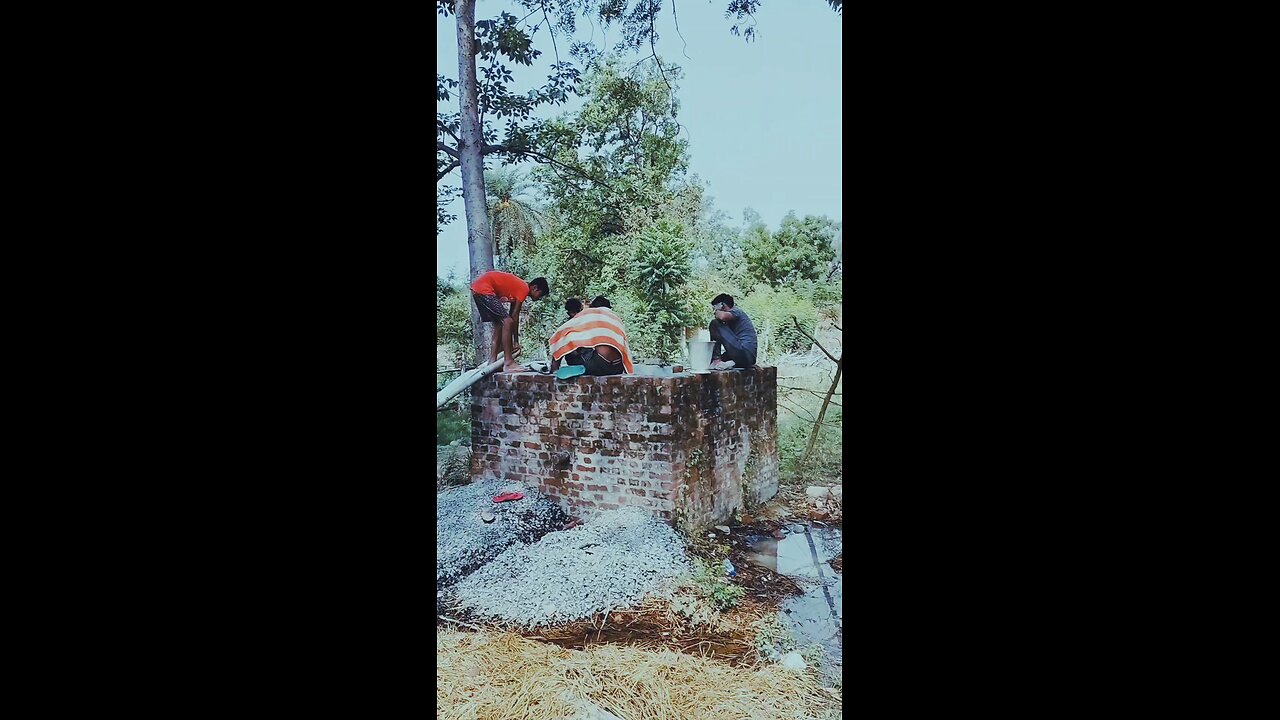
[620, 151]
[464, 139]
[513, 214]
[799, 250]
[659, 284]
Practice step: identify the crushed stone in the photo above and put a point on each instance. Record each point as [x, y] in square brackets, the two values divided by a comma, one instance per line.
[464, 541]
[611, 562]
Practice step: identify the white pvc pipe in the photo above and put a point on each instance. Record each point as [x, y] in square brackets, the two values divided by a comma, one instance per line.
[466, 380]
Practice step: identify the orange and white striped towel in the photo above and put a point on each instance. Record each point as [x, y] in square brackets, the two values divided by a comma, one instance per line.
[589, 328]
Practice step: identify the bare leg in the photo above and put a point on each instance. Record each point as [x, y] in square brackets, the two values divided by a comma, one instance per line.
[497, 342]
[508, 346]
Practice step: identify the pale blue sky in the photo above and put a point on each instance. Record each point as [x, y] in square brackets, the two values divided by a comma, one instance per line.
[763, 118]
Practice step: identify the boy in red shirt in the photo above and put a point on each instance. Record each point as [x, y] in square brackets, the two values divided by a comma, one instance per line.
[492, 292]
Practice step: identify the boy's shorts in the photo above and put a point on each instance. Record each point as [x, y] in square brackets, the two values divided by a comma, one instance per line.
[491, 308]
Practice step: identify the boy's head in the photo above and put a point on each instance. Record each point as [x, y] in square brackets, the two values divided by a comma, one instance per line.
[538, 288]
[601, 301]
[722, 299]
[573, 306]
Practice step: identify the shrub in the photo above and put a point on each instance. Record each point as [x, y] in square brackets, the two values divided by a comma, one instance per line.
[451, 425]
[711, 584]
[771, 311]
[453, 321]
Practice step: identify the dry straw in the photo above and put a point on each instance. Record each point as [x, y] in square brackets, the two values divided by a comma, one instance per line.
[496, 676]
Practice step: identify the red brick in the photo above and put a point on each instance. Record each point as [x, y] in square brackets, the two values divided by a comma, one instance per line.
[642, 430]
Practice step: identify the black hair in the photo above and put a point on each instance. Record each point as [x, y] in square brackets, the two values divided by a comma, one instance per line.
[541, 284]
[723, 298]
[573, 306]
[601, 301]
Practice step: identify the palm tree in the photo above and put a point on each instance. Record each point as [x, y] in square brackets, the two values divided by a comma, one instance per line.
[513, 213]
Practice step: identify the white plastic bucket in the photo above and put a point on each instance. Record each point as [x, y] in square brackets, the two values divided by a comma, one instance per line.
[700, 355]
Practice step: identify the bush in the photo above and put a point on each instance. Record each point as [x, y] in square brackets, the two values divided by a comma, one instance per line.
[793, 438]
[711, 585]
[452, 425]
[453, 320]
[771, 310]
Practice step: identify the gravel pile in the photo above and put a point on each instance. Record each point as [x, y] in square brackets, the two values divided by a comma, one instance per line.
[611, 562]
[464, 542]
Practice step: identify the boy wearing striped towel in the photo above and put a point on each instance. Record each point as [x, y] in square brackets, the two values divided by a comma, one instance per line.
[594, 339]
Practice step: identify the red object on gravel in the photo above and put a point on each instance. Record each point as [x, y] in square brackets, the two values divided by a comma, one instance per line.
[504, 497]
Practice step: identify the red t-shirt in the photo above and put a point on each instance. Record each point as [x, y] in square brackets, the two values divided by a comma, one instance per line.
[502, 284]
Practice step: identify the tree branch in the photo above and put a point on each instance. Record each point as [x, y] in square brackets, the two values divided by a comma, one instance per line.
[441, 173]
[817, 424]
[815, 392]
[546, 160]
[653, 50]
[806, 418]
[815, 341]
[677, 21]
[446, 128]
[450, 151]
[551, 30]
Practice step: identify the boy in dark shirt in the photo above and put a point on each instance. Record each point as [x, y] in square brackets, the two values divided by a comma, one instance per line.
[733, 330]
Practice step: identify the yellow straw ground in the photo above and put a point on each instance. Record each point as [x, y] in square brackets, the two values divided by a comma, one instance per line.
[501, 676]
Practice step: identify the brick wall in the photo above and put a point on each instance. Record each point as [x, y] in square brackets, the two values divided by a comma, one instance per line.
[690, 448]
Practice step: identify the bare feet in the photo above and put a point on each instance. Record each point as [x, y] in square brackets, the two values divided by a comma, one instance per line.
[514, 369]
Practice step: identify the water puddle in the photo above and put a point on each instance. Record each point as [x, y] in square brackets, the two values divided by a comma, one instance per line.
[816, 616]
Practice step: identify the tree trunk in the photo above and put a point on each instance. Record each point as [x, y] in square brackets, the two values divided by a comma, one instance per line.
[471, 160]
[817, 425]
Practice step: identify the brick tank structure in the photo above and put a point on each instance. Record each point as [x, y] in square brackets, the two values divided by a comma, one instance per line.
[692, 449]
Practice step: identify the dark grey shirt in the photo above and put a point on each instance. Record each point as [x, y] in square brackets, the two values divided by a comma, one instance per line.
[742, 329]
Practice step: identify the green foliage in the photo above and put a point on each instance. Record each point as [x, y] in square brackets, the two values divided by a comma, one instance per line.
[623, 220]
[771, 311]
[793, 436]
[453, 317]
[659, 289]
[624, 143]
[772, 636]
[513, 214]
[444, 195]
[506, 39]
[799, 250]
[498, 40]
[814, 656]
[625, 235]
[711, 584]
[661, 265]
[452, 425]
